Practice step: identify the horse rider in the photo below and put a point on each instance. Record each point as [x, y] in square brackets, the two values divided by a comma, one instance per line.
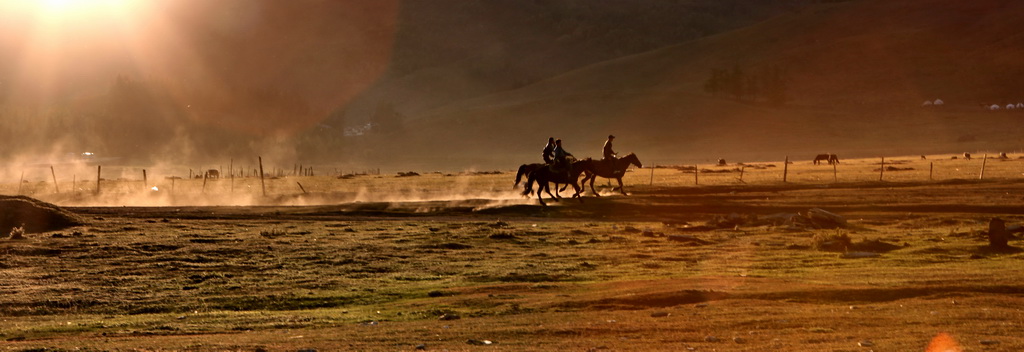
[609, 154]
[562, 162]
[549, 150]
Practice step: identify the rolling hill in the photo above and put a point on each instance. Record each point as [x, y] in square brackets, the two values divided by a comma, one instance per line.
[857, 75]
[457, 84]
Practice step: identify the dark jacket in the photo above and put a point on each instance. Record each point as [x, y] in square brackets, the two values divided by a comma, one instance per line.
[549, 152]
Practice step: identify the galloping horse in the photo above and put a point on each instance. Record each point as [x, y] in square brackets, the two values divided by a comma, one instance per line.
[594, 168]
[526, 169]
[544, 175]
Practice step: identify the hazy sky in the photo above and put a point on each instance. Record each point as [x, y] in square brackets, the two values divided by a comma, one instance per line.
[324, 51]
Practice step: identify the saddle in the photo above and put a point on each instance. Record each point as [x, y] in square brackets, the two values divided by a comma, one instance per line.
[564, 166]
[609, 165]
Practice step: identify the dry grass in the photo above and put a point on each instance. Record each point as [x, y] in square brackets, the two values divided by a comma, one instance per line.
[607, 274]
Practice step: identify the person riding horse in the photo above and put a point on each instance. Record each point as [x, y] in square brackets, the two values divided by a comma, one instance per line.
[609, 154]
[562, 159]
[549, 150]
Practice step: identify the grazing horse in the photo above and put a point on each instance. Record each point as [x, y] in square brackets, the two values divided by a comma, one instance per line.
[967, 156]
[212, 173]
[544, 175]
[830, 158]
[526, 169]
[615, 169]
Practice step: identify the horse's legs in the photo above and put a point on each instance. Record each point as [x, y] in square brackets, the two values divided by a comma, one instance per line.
[592, 179]
[540, 195]
[547, 189]
[556, 190]
[621, 189]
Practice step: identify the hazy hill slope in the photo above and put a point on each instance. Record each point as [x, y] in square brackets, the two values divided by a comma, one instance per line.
[450, 50]
[858, 72]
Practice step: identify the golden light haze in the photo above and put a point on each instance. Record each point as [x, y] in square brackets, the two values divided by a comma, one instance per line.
[66, 52]
[56, 42]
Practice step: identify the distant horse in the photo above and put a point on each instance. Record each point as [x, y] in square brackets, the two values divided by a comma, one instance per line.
[212, 173]
[616, 169]
[526, 169]
[830, 158]
[967, 156]
[544, 175]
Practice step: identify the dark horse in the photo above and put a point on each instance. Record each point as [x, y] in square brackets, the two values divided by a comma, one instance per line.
[544, 175]
[616, 169]
[830, 158]
[526, 169]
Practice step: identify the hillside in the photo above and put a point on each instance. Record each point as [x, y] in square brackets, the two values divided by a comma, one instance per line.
[482, 84]
[194, 80]
[858, 72]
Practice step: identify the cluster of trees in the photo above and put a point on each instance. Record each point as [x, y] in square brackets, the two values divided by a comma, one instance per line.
[769, 84]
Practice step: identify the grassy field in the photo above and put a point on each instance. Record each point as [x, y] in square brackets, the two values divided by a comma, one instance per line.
[462, 262]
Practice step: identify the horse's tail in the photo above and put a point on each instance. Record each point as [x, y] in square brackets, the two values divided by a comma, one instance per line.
[519, 175]
[529, 184]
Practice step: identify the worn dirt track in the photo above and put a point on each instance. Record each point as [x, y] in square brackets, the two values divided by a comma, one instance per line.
[650, 203]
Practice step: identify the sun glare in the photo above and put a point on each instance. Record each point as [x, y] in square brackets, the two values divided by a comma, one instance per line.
[69, 10]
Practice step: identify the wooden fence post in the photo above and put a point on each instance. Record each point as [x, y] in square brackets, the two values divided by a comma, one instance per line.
[835, 173]
[652, 176]
[881, 170]
[696, 172]
[982, 176]
[262, 183]
[98, 169]
[785, 169]
[21, 181]
[55, 188]
[145, 181]
[931, 168]
[741, 172]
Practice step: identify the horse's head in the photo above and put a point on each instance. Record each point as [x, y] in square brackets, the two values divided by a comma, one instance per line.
[633, 159]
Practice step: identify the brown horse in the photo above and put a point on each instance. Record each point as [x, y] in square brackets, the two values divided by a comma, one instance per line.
[830, 158]
[615, 169]
[544, 175]
[526, 169]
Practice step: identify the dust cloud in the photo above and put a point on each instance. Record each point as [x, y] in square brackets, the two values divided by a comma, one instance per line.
[239, 184]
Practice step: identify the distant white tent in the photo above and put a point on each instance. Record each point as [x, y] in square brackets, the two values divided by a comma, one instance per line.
[938, 102]
[1010, 106]
[1020, 105]
[926, 103]
[993, 107]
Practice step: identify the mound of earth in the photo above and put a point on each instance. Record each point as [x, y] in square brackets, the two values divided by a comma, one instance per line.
[34, 215]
